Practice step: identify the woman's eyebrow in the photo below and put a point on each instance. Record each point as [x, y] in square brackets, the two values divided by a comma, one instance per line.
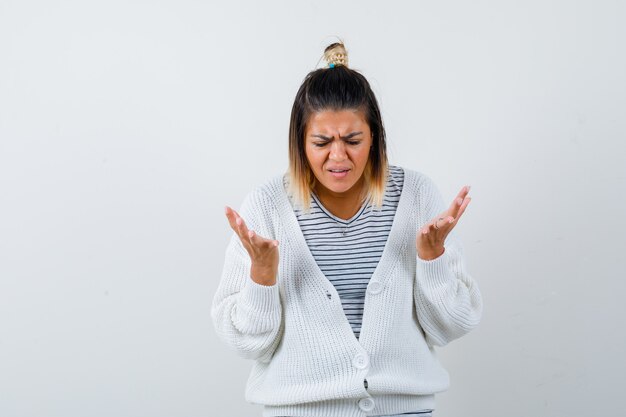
[342, 137]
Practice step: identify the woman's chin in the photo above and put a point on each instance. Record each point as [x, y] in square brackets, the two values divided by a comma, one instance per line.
[338, 188]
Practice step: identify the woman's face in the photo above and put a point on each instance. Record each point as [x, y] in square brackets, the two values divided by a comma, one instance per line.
[338, 140]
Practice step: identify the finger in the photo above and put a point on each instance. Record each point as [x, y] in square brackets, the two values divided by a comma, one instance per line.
[230, 215]
[458, 201]
[260, 240]
[238, 225]
[442, 222]
[438, 224]
[254, 239]
[464, 191]
[243, 229]
[463, 206]
[427, 228]
[251, 233]
[233, 219]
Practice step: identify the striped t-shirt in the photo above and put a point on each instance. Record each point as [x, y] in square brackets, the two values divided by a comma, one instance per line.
[347, 251]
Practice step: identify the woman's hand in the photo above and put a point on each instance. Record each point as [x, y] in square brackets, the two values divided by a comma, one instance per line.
[431, 237]
[263, 252]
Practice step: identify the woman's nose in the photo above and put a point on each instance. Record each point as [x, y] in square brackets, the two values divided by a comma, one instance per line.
[337, 150]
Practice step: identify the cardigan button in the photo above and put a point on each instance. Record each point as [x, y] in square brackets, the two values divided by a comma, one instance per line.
[360, 361]
[375, 287]
[366, 404]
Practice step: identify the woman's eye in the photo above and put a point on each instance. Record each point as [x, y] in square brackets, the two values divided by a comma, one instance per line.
[351, 142]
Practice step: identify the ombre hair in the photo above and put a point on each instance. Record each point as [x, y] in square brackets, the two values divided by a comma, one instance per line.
[335, 88]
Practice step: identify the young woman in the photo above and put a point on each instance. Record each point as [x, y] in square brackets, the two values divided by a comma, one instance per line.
[344, 273]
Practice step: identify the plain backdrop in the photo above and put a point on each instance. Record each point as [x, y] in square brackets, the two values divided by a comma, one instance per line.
[127, 126]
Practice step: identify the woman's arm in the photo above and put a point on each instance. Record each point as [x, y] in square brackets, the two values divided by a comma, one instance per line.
[247, 315]
[447, 299]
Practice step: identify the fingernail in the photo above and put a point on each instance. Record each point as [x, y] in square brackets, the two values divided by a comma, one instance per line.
[225, 209]
[468, 188]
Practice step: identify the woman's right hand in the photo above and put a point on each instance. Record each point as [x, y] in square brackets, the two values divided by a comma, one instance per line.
[263, 252]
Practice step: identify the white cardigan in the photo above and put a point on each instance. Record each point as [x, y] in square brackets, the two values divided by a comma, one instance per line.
[308, 361]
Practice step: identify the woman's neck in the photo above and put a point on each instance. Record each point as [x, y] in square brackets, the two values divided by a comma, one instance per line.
[343, 205]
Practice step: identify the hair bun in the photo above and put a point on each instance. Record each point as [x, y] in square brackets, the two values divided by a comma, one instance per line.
[336, 54]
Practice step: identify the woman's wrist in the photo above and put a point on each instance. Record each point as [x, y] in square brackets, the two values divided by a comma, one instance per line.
[431, 254]
[263, 275]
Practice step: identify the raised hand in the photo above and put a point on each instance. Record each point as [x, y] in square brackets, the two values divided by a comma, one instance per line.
[431, 237]
[263, 252]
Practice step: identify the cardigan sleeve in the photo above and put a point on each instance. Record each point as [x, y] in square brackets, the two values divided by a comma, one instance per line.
[247, 316]
[447, 299]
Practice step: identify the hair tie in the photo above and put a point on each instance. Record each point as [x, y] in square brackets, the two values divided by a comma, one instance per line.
[335, 55]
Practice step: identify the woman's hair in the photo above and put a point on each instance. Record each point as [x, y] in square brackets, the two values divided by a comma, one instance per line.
[335, 87]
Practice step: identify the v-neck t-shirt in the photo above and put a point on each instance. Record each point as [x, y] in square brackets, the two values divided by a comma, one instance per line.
[347, 251]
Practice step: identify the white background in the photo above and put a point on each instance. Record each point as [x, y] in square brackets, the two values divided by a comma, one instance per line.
[126, 126]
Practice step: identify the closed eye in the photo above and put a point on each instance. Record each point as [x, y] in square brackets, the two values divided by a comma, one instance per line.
[351, 142]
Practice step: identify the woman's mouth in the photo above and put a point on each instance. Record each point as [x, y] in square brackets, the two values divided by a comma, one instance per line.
[339, 173]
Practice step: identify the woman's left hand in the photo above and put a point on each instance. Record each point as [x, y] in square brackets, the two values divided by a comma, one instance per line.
[431, 237]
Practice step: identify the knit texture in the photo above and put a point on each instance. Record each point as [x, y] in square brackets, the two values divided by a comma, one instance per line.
[307, 361]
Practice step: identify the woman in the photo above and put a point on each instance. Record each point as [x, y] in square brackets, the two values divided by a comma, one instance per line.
[344, 273]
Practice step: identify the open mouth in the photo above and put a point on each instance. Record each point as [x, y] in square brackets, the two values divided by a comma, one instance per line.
[338, 173]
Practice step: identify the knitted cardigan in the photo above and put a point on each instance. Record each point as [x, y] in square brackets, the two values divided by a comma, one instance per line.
[307, 360]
